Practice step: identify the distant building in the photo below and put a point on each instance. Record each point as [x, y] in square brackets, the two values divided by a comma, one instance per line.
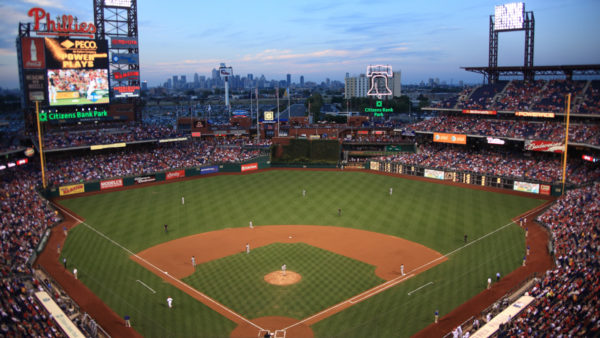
[288, 79]
[396, 85]
[301, 80]
[356, 86]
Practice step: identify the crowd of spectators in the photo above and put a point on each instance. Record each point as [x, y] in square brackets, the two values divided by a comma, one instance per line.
[567, 299]
[541, 167]
[25, 218]
[519, 129]
[106, 133]
[539, 95]
[155, 158]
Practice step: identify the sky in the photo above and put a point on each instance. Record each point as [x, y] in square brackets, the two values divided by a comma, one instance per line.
[327, 39]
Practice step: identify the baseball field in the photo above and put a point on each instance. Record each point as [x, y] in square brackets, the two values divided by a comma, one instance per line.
[346, 240]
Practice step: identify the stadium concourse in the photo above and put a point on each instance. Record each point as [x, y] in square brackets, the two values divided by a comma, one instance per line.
[566, 300]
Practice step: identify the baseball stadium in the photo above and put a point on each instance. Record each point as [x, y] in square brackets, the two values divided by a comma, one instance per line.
[121, 219]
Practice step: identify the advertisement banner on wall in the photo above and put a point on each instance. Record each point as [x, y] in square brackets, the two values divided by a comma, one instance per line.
[479, 112]
[175, 174]
[547, 146]
[527, 187]
[545, 189]
[249, 166]
[71, 189]
[125, 59]
[126, 91]
[450, 138]
[209, 170]
[144, 179]
[437, 174]
[111, 184]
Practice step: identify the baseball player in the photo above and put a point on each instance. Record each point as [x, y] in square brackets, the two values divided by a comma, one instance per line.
[402, 269]
[283, 268]
[391, 191]
[194, 261]
[303, 192]
[170, 302]
[247, 248]
[251, 225]
[182, 200]
[489, 283]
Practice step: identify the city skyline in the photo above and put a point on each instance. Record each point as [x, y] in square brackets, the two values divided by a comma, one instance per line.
[428, 39]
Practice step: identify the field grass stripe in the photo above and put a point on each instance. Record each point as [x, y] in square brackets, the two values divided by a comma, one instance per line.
[158, 269]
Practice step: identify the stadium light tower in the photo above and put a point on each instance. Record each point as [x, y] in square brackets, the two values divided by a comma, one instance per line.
[226, 72]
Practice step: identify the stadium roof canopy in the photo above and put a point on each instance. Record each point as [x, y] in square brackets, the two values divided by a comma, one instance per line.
[568, 71]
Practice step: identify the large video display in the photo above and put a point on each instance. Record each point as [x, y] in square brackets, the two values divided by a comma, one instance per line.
[77, 86]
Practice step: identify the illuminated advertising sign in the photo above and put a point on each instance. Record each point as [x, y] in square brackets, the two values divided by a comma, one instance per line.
[226, 71]
[35, 86]
[126, 91]
[249, 166]
[378, 76]
[209, 170]
[71, 189]
[379, 110]
[546, 146]
[124, 43]
[116, 183]
[126, 75]
[590, 158]
[125, 59]
[544, 189]
[527, 187]
[196, 134]
[117, 3]
[175, 174]
[268, 116]
[509, 16]
[55, 116]
[76, 53]
[450, 138]
[492, 140]
[33, 52]
[77, 87]
[534, 114]
[479, 112]
[63, 26]
[437, 174]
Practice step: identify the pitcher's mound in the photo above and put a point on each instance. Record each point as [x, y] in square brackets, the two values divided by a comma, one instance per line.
[277, 277]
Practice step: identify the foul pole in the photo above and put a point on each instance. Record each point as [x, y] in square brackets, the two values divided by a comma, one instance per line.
[564, 167]
[41, 145]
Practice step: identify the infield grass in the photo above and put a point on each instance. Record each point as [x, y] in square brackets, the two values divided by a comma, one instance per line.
[434, 215]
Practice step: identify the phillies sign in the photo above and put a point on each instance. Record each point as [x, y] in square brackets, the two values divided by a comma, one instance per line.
[63, 26]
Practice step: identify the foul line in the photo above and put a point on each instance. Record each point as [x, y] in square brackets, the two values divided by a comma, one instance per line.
[419, 288]
[371, 292]
[146, 285]
[157, 268]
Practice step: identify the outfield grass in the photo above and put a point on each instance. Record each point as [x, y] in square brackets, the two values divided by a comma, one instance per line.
[434, 215]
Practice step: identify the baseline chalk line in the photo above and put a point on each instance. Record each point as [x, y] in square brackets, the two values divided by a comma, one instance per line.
[419, 288]
[146, 285]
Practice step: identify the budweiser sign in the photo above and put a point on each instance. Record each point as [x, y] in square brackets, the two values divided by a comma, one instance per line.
[62, 26]
[547, 146]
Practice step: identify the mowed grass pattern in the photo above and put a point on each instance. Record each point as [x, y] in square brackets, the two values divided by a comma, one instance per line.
[327, 277]
[434, 215]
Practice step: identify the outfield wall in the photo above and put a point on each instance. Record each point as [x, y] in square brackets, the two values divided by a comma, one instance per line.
[486, 180]
[107, 184]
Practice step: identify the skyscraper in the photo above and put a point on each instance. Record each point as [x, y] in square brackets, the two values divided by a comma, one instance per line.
[288, 79]
[301, 80]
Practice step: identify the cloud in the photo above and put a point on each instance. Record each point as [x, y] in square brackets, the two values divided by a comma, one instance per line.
[46, 3]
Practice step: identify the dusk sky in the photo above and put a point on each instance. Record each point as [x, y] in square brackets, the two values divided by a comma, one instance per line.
[326, 39]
